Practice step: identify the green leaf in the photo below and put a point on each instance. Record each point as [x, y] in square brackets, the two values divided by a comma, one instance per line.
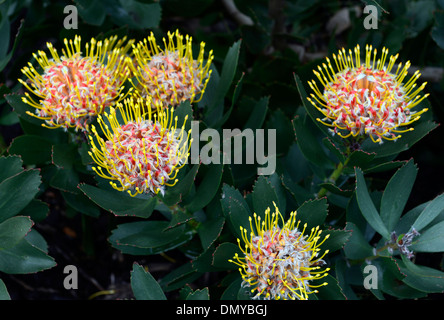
[10, 166]
[334, 148]
[199, 295]
[13, 230]
[144, 286]
[174, 195]
[342, 269]
[37, 240]
[210, 92]
[331, 291]
[232, 290]
[299, 193]
[81, 203]
[210, 230]
[354, 215]
[184, 114]
[148, 237]
[180, 276]
[257, 117]
[313, 213]
[92, 12]
[53, 136]
[256, 38]
[357, 246]
[24, 258]
[227, 75]
[32, 149]
[336, 240]
[66, 180]
[421, 277]
[430, 212]
[146, 234]
[367, 206]
[131, 13]
[265, 193]
[359, 158]
[397, 193]
[204, 261]
[384, 166]
[308, 142]
[430, 240]
[217, 123]
[235, 209]
[224, 252]
[187, 9]
[277, 120]
[17, 191]
[64, 156]
[5, 29]
[335, 189]
[228, 71]
[4, 295]
[391, 279]
[313, 112]
[119, 203]
[405, 223]
[37, 210]
[21, 108]
[420, 15]
[207, 188]
[179, 218]
[438, 28]
[408, 139]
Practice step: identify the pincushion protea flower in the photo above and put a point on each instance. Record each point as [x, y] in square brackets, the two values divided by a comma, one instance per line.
[367, 98]
[280, 262]
[171, 75]
[74, 88]
[142, 151]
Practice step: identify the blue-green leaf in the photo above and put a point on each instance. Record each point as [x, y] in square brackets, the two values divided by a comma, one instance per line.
[144, 286]
[199, 295]
[397, 193]
[24, 258]
[17, 191]
[430, 240]
[367, 206]
[421, 277]
[229, 68]
[4, 295]
[430, 212]
[235, 209]
[13, 230]
[119, 203]
[357, 246]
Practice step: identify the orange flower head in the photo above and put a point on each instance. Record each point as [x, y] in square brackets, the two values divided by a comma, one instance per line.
[171, 75]
[74, 88]
[280, 262]
[142, 151]
[367, 98]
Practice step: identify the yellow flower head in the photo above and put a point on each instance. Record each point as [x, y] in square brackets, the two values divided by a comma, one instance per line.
[367, 98]
[74, 88]
[171, 75]
[142, 151]
[279, 262]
